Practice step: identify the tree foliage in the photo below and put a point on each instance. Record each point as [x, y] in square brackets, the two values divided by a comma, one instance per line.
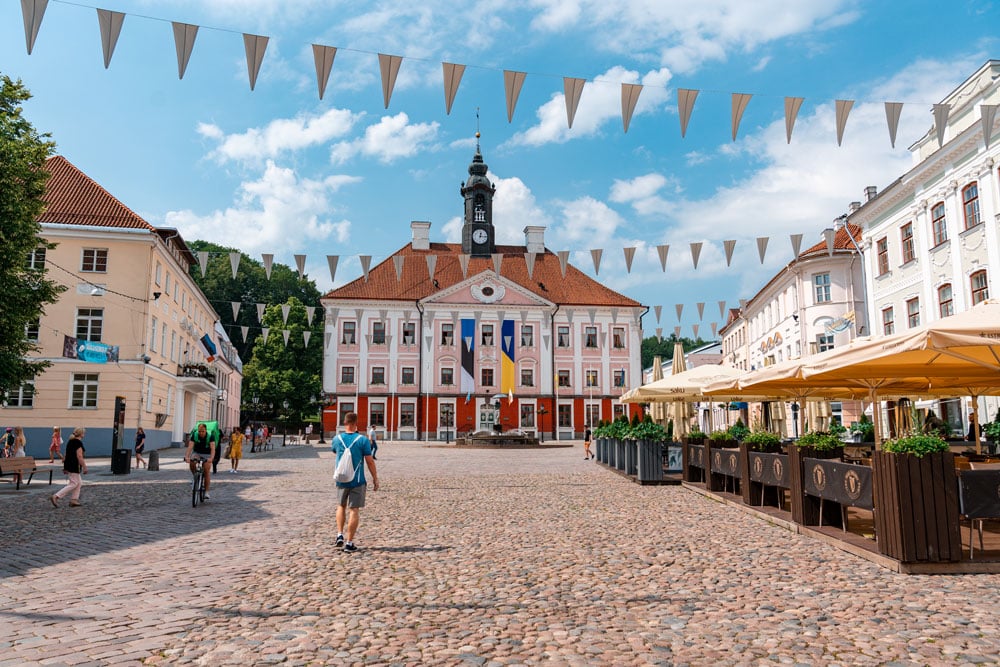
[26, 291]
[653, 346]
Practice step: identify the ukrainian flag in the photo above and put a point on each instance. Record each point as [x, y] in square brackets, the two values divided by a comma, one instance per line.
[507, 357]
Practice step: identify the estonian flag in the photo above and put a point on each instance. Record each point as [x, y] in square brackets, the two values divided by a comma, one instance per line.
[209, 346]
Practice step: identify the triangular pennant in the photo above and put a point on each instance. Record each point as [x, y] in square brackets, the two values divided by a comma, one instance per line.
[829, 234]
[388, 340]
[368, 340]
[572, 88]
[358, 314]
[260, 313]
[677, 332]
[614, 316]
[512, 82]
[507, 342]
[255, 46]
[327, 337]
[429, 340]
[285, 309]
[592, 314]
[740, 101]
[545, 341]
[432, 261]
[629, 254]
[694, 327]
[310, 313]
[529, 262]
[701, 309]
[892, 113]
[762, 247]
[685, 105]
[497, 262]
[596, 256]
[234, 262]
[397, 262]
[603, 338]
[333, 314]
[236, 309]
[715, 329]
[630, 96]
[389, 67]
[184, 36]
[285, 333]
[722, 309]
[382, 314]
[331, 260]
[268, 263]
[323, 57]
[662, 251]
[452, 77]
[941, 112]
[468, 342]
[203, 261]
[265, 332]
[843, 109]
[658, 311]
[32, 11]
[695, 253]
[366, 263]
[569, 315]
[988, 114]
[463, 261]
[679, 307]
[300, 264]
[729, 246]
[659, 334]
[306, 335]
[792, 106]
[244, 331]
[111, 28]
[796, 240]
[524, 316]
[563, 261]
[743, 304]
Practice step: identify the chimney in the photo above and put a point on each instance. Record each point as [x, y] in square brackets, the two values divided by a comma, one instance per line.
[534, 239]
[870, 192]
[854, 206]
[421, 235]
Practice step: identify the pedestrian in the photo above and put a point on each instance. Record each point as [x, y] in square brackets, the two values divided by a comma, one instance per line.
[216, 457]
[258, 438]
[202, 446]
[140, 446]
[972, 434]
[20, 442]
[586, 444]
[7, 443]
[235, 449]
[351, 495]
[74, 465]
[373, 440]
[55, 447]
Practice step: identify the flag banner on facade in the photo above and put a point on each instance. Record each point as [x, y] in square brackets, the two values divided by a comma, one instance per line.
[507, 368]
[569, 315]
[89, 351]
[210, 349]
[327, 337]
[358, 314]
[323, 58]
[524, 316]
[234, 262]
[545, 341]
[614, 316]
[468, 380]
[592, 314]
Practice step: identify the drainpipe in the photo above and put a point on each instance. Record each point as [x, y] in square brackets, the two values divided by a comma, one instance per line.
[420, 358]
[552, 354]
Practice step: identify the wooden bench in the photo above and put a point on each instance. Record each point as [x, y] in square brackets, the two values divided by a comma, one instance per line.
[19, 466]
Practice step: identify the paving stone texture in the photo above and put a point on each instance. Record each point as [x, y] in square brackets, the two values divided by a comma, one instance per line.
[477, 557]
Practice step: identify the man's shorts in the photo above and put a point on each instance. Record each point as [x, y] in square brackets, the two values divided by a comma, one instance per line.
[351, 497]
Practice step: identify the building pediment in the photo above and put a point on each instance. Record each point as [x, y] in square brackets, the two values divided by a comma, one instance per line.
[487, 289]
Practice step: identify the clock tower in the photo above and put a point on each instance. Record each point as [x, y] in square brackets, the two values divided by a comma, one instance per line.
[478, 238]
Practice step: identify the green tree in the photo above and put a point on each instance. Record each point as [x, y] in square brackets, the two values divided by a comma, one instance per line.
[25, 290]
[653, 346]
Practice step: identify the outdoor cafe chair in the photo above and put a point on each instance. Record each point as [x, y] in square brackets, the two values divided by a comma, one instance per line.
[978, 499]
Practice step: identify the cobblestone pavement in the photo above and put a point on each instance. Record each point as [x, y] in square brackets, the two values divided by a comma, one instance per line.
[479, 557]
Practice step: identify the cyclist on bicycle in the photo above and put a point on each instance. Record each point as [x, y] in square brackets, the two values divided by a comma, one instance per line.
[201, 446]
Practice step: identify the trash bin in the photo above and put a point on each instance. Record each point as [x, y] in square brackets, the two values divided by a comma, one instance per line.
[153, 460]
[121, 461]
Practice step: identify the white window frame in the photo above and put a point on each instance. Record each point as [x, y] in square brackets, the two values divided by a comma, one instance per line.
[88, 385]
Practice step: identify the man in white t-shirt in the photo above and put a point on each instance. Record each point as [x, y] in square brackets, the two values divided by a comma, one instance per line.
[371, 437]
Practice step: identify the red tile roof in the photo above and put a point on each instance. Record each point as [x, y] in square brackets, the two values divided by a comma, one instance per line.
[841, 240]
[73, 198]
[546, 280]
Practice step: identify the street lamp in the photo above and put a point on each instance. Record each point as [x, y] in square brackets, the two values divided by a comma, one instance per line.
[284, 431]
[322, 405]
[541, 422]
[255, 400]
[795, 419]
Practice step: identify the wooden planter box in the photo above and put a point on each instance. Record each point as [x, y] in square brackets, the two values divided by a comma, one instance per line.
[693, 461]
[805, 508]
[916, 507]
[726, 469]
[765, 477]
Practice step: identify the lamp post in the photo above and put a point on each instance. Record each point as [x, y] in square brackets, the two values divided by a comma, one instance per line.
[255, 400]
[541, 422]
[284, 431]
[795, 419]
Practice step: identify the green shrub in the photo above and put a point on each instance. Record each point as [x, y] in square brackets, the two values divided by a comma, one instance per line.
[992, 431]
[738, 431]
[718, 436]
[696, 434]
[865, 427]
[647, 430]
[763, 441]
[918, 445]
[837, 429]
[819, 440]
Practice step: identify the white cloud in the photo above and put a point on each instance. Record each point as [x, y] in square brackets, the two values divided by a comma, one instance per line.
[642, 193]
[393, 137]
[589, 222]
[279, 136]
[279, 212]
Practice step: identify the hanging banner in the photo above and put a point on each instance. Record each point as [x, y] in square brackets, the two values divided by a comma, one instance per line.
[679, 307]
[512, 82]
[323, 57]
[563, 261]
[792, 105]
[729, 247]
[843, 109]
[685, 105]
[397, 263]
[614, 316]
[694, 328]
[629, 254]
[203, 261]
[829, 235]
[32, 12]
[677, 332]
[255, 46]
[630, 96]
[111, 27]
[331, 260]
[762, 247]
[265, 332]
[89, 351]
[659, 334]
[739, 103]
[234, 262]
[184, 36]
[497, 262]
[529, 263]
[236, 309]
[431, 265]
[592, 314]
[695, 253]
[260, 313]
[468, 379]
[452, 77]
[987, 114]
[389, 68]
[300, 264]
[662, 250]
[366, 263]
[722, 309]
[463, 262]
[701, 309]
[796, 240]
[892, 113]
[941, 112]
[285, 309]
[596, 256]
[715, 329]
[209, 347]
[306, 335]
[507, 368]
[572, 89]
[310, 313]
[285, 333]
[658, 310]
[244, 332]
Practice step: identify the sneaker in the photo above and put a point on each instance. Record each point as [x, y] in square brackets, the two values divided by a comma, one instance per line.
[340, 540]
[350, 548]
[208, 497]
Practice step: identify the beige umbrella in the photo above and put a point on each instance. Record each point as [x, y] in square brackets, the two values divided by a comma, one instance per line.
[656, 409]
[680, 410]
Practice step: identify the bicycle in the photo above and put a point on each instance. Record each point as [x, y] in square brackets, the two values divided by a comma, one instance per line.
[198, 483]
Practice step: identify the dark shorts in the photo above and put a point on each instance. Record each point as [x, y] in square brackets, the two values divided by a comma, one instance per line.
[351, 497]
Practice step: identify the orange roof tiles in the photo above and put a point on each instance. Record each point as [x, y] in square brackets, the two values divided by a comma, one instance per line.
[73, 198]
[546, 280]
[841, 240]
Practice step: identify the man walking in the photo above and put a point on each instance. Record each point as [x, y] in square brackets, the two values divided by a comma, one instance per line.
[351, 495]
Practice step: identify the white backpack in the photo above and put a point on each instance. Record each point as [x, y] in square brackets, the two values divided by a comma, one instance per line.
[345, 470]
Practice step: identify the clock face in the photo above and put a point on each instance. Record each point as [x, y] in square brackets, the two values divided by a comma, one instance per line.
[479, 236]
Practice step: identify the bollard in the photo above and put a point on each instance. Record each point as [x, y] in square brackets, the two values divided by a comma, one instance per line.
[153, 460]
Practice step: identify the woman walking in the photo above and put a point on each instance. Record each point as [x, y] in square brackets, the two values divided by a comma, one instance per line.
[20, 442]
[140, 445]
[55, 447]
[74, 465]
[235, 449]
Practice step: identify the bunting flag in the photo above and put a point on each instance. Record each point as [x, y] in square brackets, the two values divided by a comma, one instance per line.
[740, 101]
[614, 315]
[468, 378]
[382, 314]
[843, 109]
[244, 331]
[310, 313]
[285, 309]
[300, 264]
[32, 11]
[184, 36]
[658, 310]
[255, 46]
[497, 262]
[829, 235]
[592, 314]
[569, 315]
[685, 105]
[432, 261]
[596, 256]
[452, 77]
[695, 253]
[234, 262]
[762, 247]
[743, 304]
[679, 307]
[327, 339]
[236, 309]
[463, 261]
[630, 96]
[507, 368]
[265, 332]
[332, 315]
[677, 332]
[524, 316]
[573, 89]
[529, 262]
[428, 341]
[715, 329]
[285, 333]
[892, 113]
[629, 254]
[366, 263]
[545, 341]
[988, 114]
[694, 327]
[397, 262]
[729, 247]
[306, 335]
[792, 105]
[389, 67]
[260, 313]
[268, 263]
[796, 240]
[563, 261]
[203, 261]
[331, 260]
[512, 82]
[662, 250]
[941, 112]
[722, 309]
[659, 334]
[111, 28]
[701, 309]
[603, 337]
[323, 57]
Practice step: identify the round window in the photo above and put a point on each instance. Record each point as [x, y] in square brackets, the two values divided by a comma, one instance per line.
[487, 291]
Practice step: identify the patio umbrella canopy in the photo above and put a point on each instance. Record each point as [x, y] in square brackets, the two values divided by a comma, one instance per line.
[681, 412]
[657, 410]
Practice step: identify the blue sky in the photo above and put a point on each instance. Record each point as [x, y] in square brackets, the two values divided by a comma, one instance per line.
[278, 170]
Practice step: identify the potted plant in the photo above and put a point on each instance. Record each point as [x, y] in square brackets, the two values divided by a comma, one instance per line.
[918, 444]
[863, 430]
[765, 471]
[696, 436]
[763, 441]
[722, 439]
[819, 441]
[738, 431]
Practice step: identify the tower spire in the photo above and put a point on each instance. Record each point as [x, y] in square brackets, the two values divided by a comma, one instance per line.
[477, 130]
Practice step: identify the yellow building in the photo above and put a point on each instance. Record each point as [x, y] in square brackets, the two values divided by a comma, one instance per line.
[129, 324]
